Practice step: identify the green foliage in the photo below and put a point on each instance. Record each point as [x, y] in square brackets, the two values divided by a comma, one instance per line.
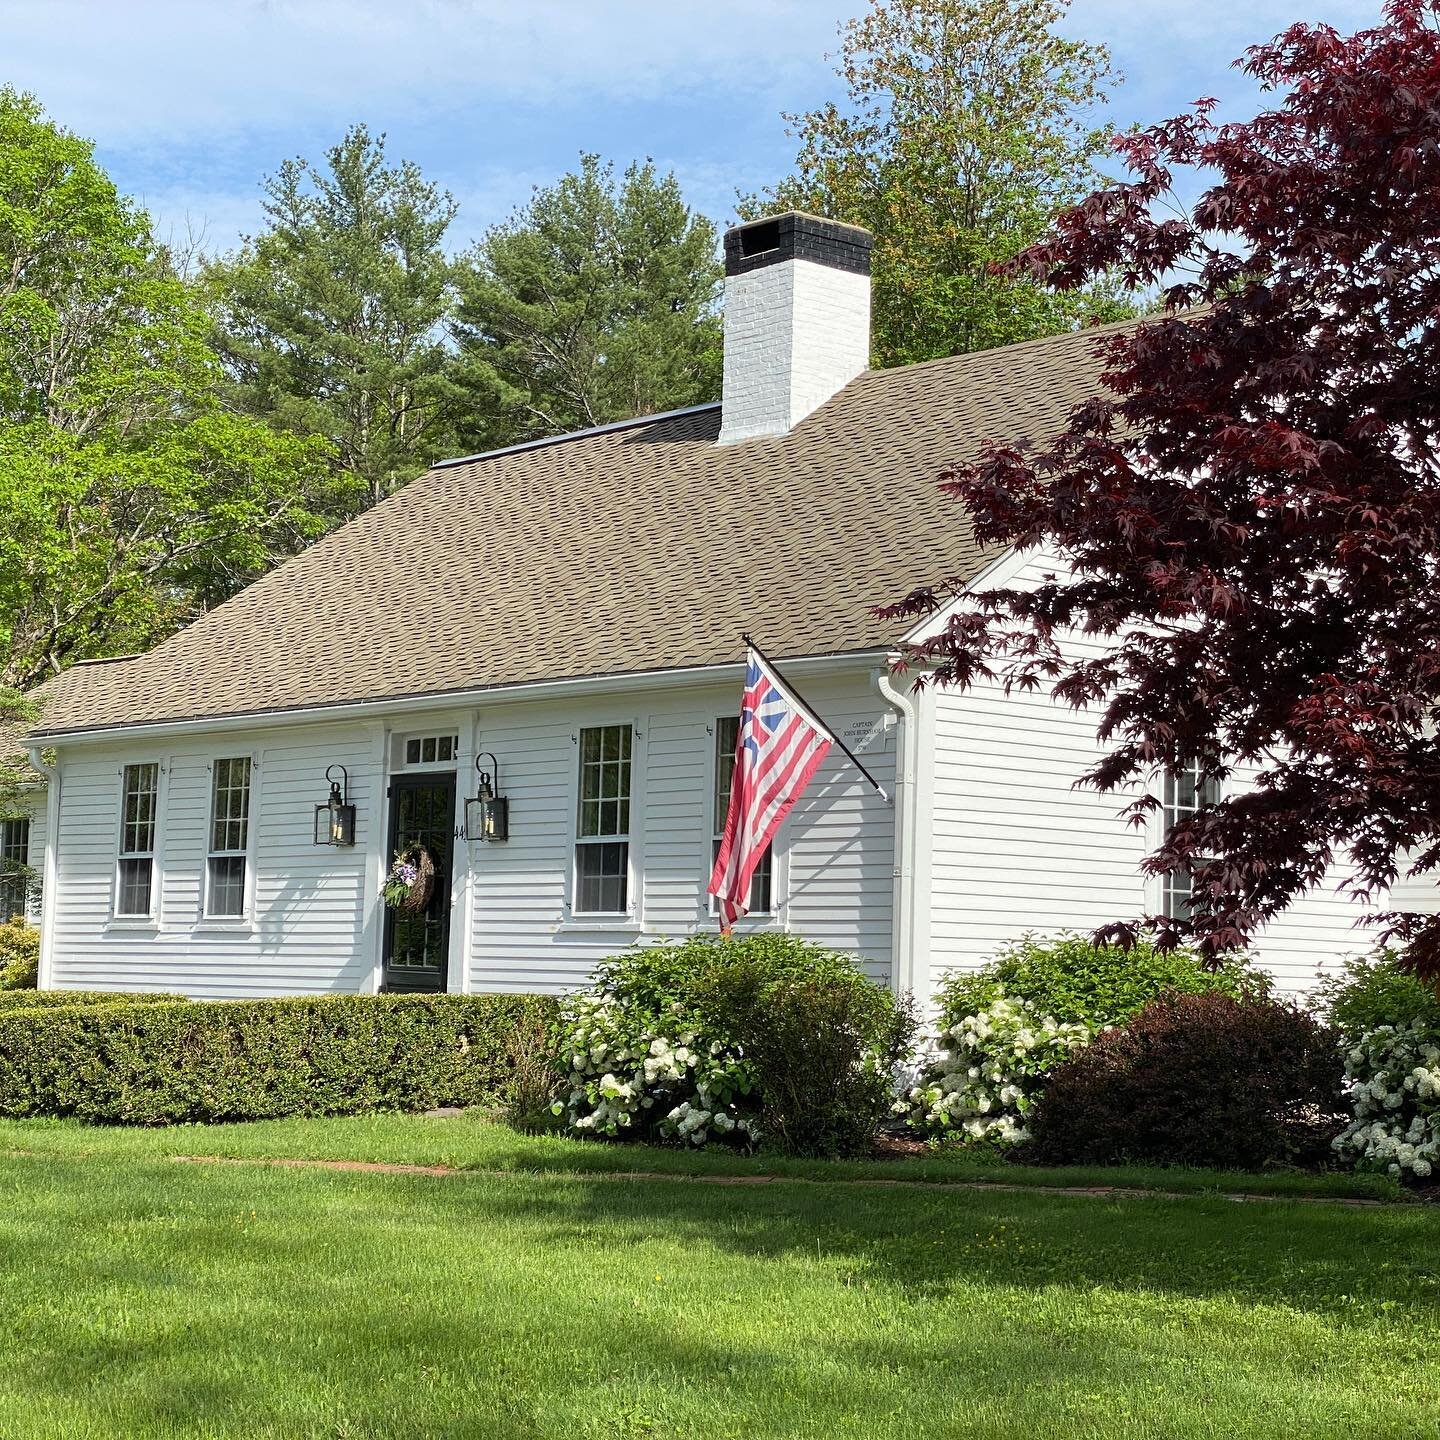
[19, 955]
[166, 1063]
[824, 1040]
[33, 999]
[1197, 1079]
[1372, 991]
[1074, 980]
[130, 498]
[763, 1035]
[593, 303]
[967, 125]
[331, 323]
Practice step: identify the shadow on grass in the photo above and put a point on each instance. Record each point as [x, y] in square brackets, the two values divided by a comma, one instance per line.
[147, 1298]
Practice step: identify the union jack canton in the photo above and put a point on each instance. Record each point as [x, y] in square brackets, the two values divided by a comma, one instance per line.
[779, 747]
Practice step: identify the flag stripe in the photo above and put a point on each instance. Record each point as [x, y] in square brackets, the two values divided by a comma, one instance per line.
[778, 750]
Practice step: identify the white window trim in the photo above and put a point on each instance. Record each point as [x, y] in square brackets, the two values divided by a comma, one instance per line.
[631, 919]
[243, 923]
[779, 859]
[152, 921]
[400, 765]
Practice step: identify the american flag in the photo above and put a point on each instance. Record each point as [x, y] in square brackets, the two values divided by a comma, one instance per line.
[779, 747]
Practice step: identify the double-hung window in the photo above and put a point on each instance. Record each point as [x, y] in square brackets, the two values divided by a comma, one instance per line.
[135, 885]
[727, 734]
[14, 860]
[225, 878]
[602, 832]
[1185, 793]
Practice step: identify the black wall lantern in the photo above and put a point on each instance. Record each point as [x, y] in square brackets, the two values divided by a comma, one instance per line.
[335, 819]
[487, 816]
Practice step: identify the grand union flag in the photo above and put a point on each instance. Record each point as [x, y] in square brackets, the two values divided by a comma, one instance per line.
[779, 747]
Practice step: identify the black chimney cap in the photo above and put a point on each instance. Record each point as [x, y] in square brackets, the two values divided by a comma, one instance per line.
[797, 236]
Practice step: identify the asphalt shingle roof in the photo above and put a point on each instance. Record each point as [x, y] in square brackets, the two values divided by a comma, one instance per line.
[638, 548]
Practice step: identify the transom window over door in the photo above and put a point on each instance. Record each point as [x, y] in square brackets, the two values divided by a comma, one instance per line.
[14, 858]
[602, 836]
[227, 866]
[135, 884]
[727, 734]
[1185, 793]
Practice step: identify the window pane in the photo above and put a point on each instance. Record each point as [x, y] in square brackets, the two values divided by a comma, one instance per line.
[1184, 795]
[604, 781]
[445, 747]
[412, 752]
[135, 887]
[602, 878]
[14, 857]
[230, 806]
[727, 731]
[762, 897]
[226, 891]
[141, 782]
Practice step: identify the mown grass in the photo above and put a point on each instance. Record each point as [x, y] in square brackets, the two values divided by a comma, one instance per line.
[473, 1141]
[143, 1297]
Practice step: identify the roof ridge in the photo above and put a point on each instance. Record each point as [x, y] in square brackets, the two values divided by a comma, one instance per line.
[576, 434]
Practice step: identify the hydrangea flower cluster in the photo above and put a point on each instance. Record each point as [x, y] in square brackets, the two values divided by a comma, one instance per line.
[985, 1072]
[1394, 1084]
[633, 1074]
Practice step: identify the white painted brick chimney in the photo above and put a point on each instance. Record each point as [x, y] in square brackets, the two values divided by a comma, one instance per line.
[797, 320]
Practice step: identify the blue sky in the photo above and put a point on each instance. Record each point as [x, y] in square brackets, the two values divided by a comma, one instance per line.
[191, 102]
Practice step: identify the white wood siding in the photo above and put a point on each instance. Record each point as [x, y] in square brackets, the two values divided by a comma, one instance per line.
[1016, 848]
[310, 903]
[316, 917]
[834, 855]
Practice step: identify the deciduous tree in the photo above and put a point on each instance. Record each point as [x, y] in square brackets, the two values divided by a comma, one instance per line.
[130, 497]
[966, 125]
[1251, 511]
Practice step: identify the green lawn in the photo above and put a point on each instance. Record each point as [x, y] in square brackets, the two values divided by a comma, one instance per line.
[139, 1296]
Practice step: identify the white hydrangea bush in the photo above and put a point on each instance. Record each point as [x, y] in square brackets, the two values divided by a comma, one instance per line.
[1393, 1076]
[634, 1074]
[986, 1071]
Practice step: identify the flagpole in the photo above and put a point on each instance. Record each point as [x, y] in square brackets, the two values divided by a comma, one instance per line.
[815, 715]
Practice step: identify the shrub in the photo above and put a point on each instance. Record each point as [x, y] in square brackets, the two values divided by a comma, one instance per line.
[1389, 1022]
[1003, 1028]
[19, 955]
[1076, 981]
[1371, 991]
[162, 1063]
[11, 1000]
[718, 1039]
[823, 1043]
[1196, 1080]
[988, 1070]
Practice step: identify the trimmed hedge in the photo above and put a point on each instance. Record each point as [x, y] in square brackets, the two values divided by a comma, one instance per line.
[171, 1062]
[19, 954]
[48, 999]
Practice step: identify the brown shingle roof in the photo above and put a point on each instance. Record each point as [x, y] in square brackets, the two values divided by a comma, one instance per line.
[639, 548]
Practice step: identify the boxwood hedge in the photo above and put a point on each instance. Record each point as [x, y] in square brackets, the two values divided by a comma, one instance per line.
[45, 999]
[157, 1063]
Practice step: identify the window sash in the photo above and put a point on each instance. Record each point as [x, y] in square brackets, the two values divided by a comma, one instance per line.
[762, 882]
[602, 820]
[14, 861]
[1184, 795]
[139, 812]
[139, 817]
[226, 868]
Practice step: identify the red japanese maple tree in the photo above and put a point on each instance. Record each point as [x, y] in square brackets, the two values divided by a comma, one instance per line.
[1250, 516]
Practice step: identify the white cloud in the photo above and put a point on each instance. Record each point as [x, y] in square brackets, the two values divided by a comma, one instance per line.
[141, 71]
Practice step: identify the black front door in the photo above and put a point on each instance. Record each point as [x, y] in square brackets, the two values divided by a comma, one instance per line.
[417, 947]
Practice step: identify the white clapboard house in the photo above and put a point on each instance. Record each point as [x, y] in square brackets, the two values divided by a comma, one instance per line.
[570, 613]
